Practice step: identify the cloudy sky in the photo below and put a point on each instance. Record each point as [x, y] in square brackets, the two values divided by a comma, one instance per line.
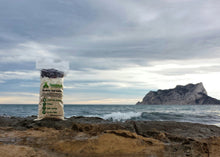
[118, 50]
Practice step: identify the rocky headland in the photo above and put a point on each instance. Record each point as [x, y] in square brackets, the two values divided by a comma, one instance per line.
[95, 137]
[190, 94]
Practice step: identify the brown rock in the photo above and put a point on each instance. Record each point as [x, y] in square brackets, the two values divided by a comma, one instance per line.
[21, 151]
[80, 137]
[113, 142]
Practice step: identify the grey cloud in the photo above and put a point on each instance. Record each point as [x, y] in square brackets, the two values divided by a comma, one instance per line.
[112, 34]
[40, 20]
[177, 32]
[17, 66]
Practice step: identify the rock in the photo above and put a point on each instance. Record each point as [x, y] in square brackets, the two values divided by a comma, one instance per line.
[94, 137]
[175, 130]
[21, 151]
[111, 144]
[190, 94]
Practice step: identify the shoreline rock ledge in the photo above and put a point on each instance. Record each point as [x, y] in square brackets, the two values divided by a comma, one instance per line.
[190, 94]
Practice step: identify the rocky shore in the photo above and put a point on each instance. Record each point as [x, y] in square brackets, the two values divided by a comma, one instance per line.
[95, 137]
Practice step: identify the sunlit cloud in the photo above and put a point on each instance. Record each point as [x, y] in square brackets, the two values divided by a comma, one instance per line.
[19, 98]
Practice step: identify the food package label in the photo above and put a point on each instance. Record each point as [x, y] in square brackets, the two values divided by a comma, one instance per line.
[51, 98]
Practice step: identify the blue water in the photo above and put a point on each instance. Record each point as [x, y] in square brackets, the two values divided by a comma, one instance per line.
[183, 113]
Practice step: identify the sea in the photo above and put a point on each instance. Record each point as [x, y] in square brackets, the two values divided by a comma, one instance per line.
[204, 114]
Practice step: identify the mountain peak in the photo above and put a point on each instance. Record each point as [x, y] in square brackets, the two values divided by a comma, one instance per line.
[190, 94]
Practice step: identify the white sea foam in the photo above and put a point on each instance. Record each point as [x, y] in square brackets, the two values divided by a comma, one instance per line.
[120, 116]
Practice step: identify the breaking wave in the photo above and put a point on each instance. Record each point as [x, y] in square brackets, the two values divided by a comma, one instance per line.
[121, 116]
[159, 116]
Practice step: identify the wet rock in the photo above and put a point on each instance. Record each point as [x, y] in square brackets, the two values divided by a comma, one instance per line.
[175, 129]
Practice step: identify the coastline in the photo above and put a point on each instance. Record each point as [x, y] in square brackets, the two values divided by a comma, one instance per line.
[93, 136]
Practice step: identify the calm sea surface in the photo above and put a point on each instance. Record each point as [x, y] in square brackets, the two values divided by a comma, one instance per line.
[209, 114]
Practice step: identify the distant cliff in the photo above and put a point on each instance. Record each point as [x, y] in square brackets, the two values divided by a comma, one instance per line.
[191, 94]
